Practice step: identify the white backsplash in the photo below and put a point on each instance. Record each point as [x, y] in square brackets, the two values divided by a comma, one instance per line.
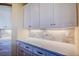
[55, 35]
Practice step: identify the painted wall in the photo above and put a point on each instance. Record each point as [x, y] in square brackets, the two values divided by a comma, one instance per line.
[77, 32]
[66, 36]
[23, 34]
[17, 24]
[17, 21]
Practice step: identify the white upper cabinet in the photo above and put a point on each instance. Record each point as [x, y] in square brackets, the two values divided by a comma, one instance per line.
[64, 15]
[27, 16]
[50, 15]
[44, 15]
[5, 16]
[35, 15]
[31, 16]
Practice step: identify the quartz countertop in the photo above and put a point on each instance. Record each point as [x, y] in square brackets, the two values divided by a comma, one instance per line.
[60, 47]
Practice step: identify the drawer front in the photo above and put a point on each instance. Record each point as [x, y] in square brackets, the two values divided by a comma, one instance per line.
[28, 47]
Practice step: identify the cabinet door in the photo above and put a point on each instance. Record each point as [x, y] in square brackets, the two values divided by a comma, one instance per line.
[64, 15]
[35, 15]
[27, 16]
[44, 15]
[31, 16]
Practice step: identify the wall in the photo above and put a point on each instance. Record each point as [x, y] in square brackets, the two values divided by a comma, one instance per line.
[77, 33]
[17, 21]
[66, 36]
[18, 32]
[17, 24]
[23, 34]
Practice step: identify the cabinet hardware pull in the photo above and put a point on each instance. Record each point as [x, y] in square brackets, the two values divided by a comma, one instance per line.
[39, 52]
[27, 47]
[29, 26]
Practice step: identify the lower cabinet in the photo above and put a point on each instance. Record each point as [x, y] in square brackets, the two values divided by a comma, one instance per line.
[28, 50]
[31, 50]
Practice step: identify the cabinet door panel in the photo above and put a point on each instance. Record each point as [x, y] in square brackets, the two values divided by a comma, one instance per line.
[44, 15]
[27, 16]
[35, 15]
[64, 15]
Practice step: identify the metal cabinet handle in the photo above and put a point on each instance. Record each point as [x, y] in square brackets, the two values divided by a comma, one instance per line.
[29, 26]
[27, 47]
[39, 52]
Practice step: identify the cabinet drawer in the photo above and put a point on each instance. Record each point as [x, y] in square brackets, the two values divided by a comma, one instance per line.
[28, 47]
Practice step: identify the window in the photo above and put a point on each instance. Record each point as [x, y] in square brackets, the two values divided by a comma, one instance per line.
[5, 22]
[5, 16]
